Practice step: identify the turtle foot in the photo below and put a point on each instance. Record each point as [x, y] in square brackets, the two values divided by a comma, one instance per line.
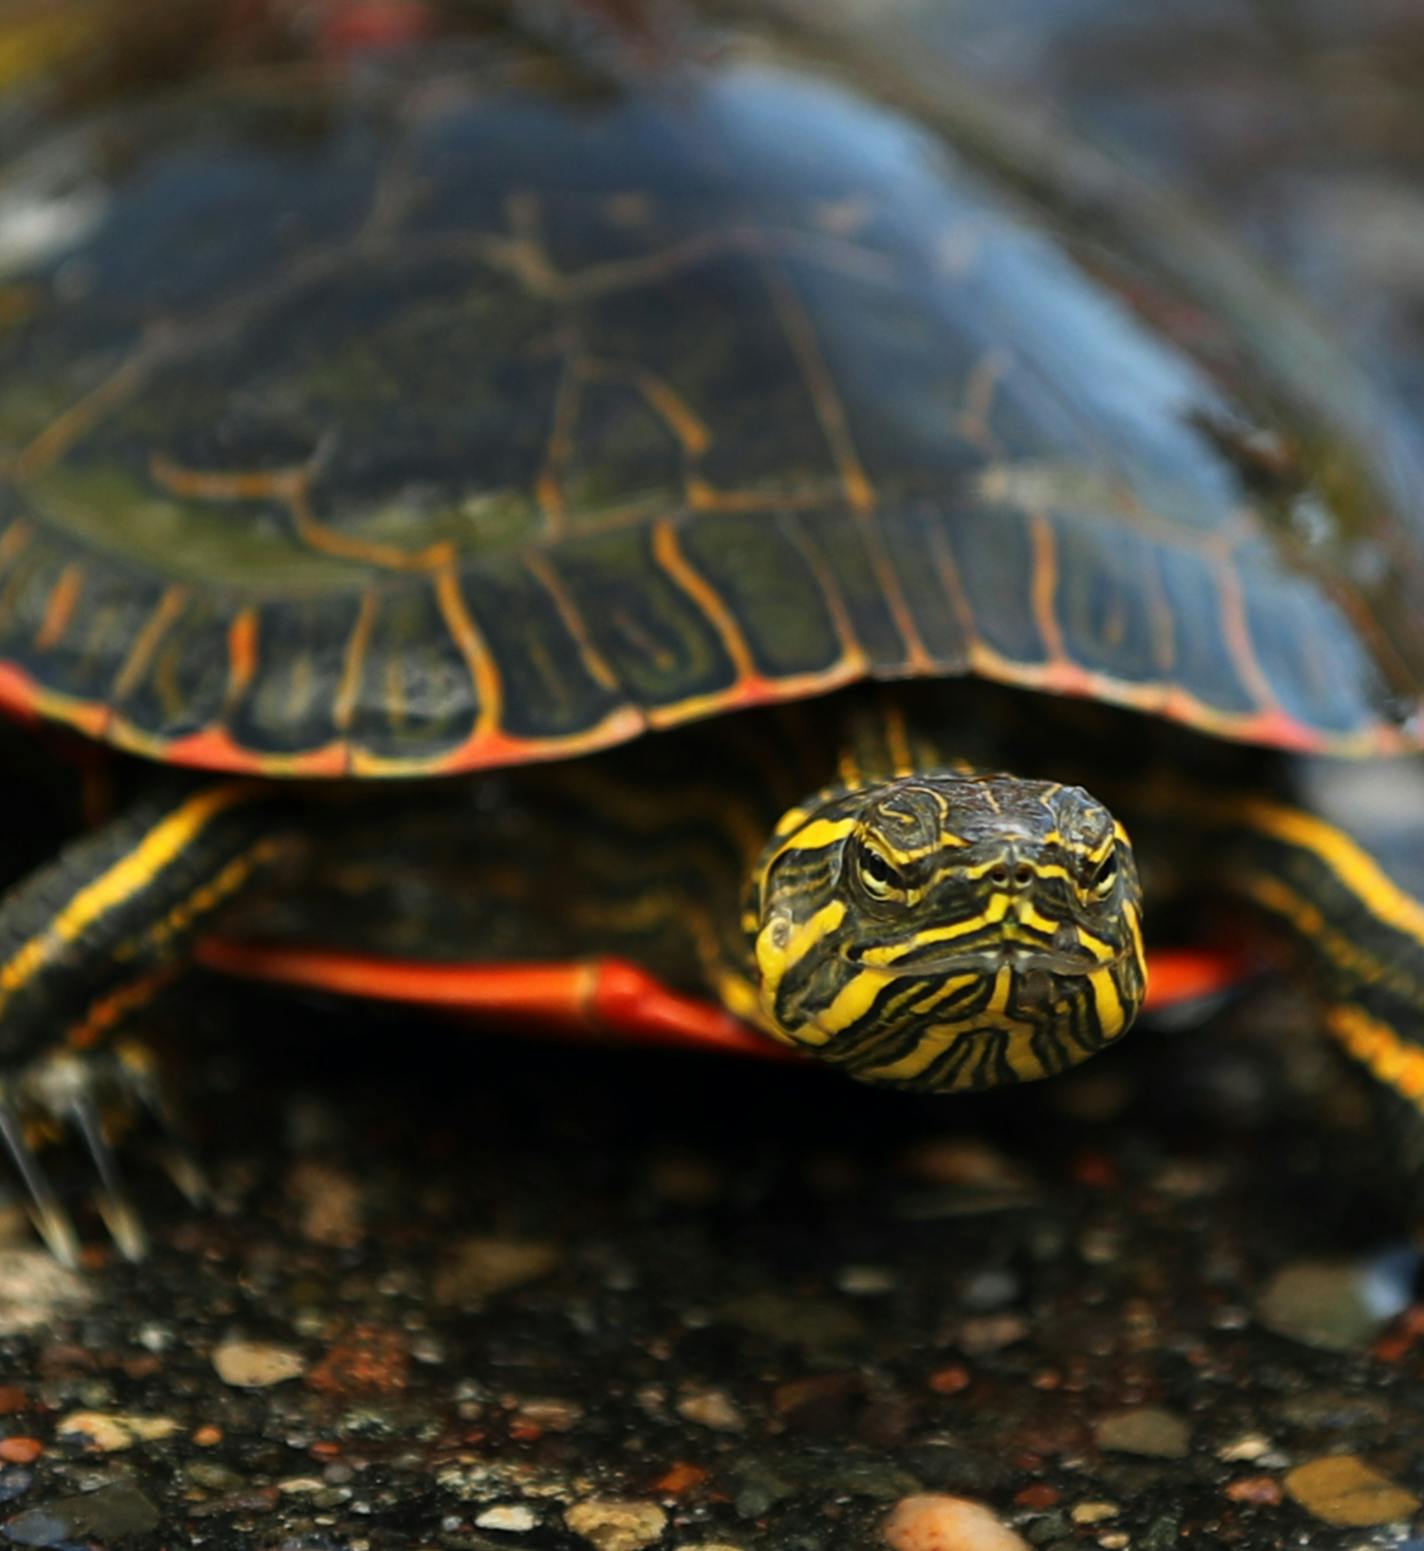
[91, 1097]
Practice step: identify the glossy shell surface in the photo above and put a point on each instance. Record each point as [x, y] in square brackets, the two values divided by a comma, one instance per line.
[482, 405]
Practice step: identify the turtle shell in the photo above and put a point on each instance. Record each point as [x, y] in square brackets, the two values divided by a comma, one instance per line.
[485, 405]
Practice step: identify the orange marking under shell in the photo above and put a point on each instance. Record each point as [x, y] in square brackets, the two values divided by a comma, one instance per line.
[604, 999]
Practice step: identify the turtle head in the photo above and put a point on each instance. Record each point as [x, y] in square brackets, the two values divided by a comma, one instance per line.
[948, 931]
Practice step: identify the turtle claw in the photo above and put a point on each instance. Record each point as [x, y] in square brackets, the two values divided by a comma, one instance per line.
[52, 1222]
[79, 1093]
[181, 1165]
[124, 1225]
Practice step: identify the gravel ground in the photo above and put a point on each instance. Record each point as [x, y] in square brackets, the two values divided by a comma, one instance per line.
[473, 1292]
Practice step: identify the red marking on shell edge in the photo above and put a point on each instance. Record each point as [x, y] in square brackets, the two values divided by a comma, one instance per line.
[214, 748]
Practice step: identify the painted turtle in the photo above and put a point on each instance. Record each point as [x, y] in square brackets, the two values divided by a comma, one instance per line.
[478, 409]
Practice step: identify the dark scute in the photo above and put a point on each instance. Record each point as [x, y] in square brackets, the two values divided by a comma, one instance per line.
[1313, 661]
[550, 690]
[659, 644]
[290, 706]
[990, 549]
[1203, 663]
[414, 695]
[753, 561]
[1105, 596]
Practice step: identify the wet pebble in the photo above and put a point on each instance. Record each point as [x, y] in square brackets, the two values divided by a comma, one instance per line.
[36, 1290]
[806, 1322]
[510, 1518]
[1321, 1303]
[256, 1364]
[477, 1268]
[330, 1203]
[616, 1526]
[865, 1281]
[111, 1431]
[989, 1289]
[985, 1333]
[712, 1408]
[1342, 1489]
[108, 1513]
[1250, 1446]
[934, 1521]
[1145, 1430]
[1093, 1512]
[1263, 1491]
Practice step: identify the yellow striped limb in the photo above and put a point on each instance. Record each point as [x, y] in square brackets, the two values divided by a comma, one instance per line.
[84, 945]
[1361, 932]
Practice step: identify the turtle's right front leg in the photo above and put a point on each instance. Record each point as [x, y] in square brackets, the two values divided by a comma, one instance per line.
[87, 941]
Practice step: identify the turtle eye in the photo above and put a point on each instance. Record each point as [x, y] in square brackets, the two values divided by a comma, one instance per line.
[878, 877]
[1100, 879]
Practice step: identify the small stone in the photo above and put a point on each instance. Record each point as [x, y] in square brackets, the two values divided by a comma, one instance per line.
[1093, 1512]
[684, 1179]
[512, 1518]
[549, 1415]
[989, 1289]
[1244, 1449]
[1321, 1303]
[330, 1202]
[109, 1513]
[681, 1476]
[111, 1431]
[368, 1359]
[935, 1521]
[1114, 1540]
[804, 1322]
[757, 1487]
[20, 1451]
[256, 1364]
[478, 1268]
[711, 1408]
[1263, 1491]
[1341, 1489]
[300, 1486]
[36, 1290]
[986, 1333]
[616, 1526]
[865, 1281]
[956, 1161]
[213, 1477]
[950, 1380]
[708, 1545]
[1145, 1430]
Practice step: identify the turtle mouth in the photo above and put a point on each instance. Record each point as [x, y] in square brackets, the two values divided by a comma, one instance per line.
[1021, 958]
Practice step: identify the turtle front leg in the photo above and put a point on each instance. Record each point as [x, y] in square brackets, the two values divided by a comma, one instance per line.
[84, 944]
[1361, 929]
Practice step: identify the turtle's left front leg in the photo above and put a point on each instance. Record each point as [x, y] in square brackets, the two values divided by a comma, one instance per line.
[84, 943]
